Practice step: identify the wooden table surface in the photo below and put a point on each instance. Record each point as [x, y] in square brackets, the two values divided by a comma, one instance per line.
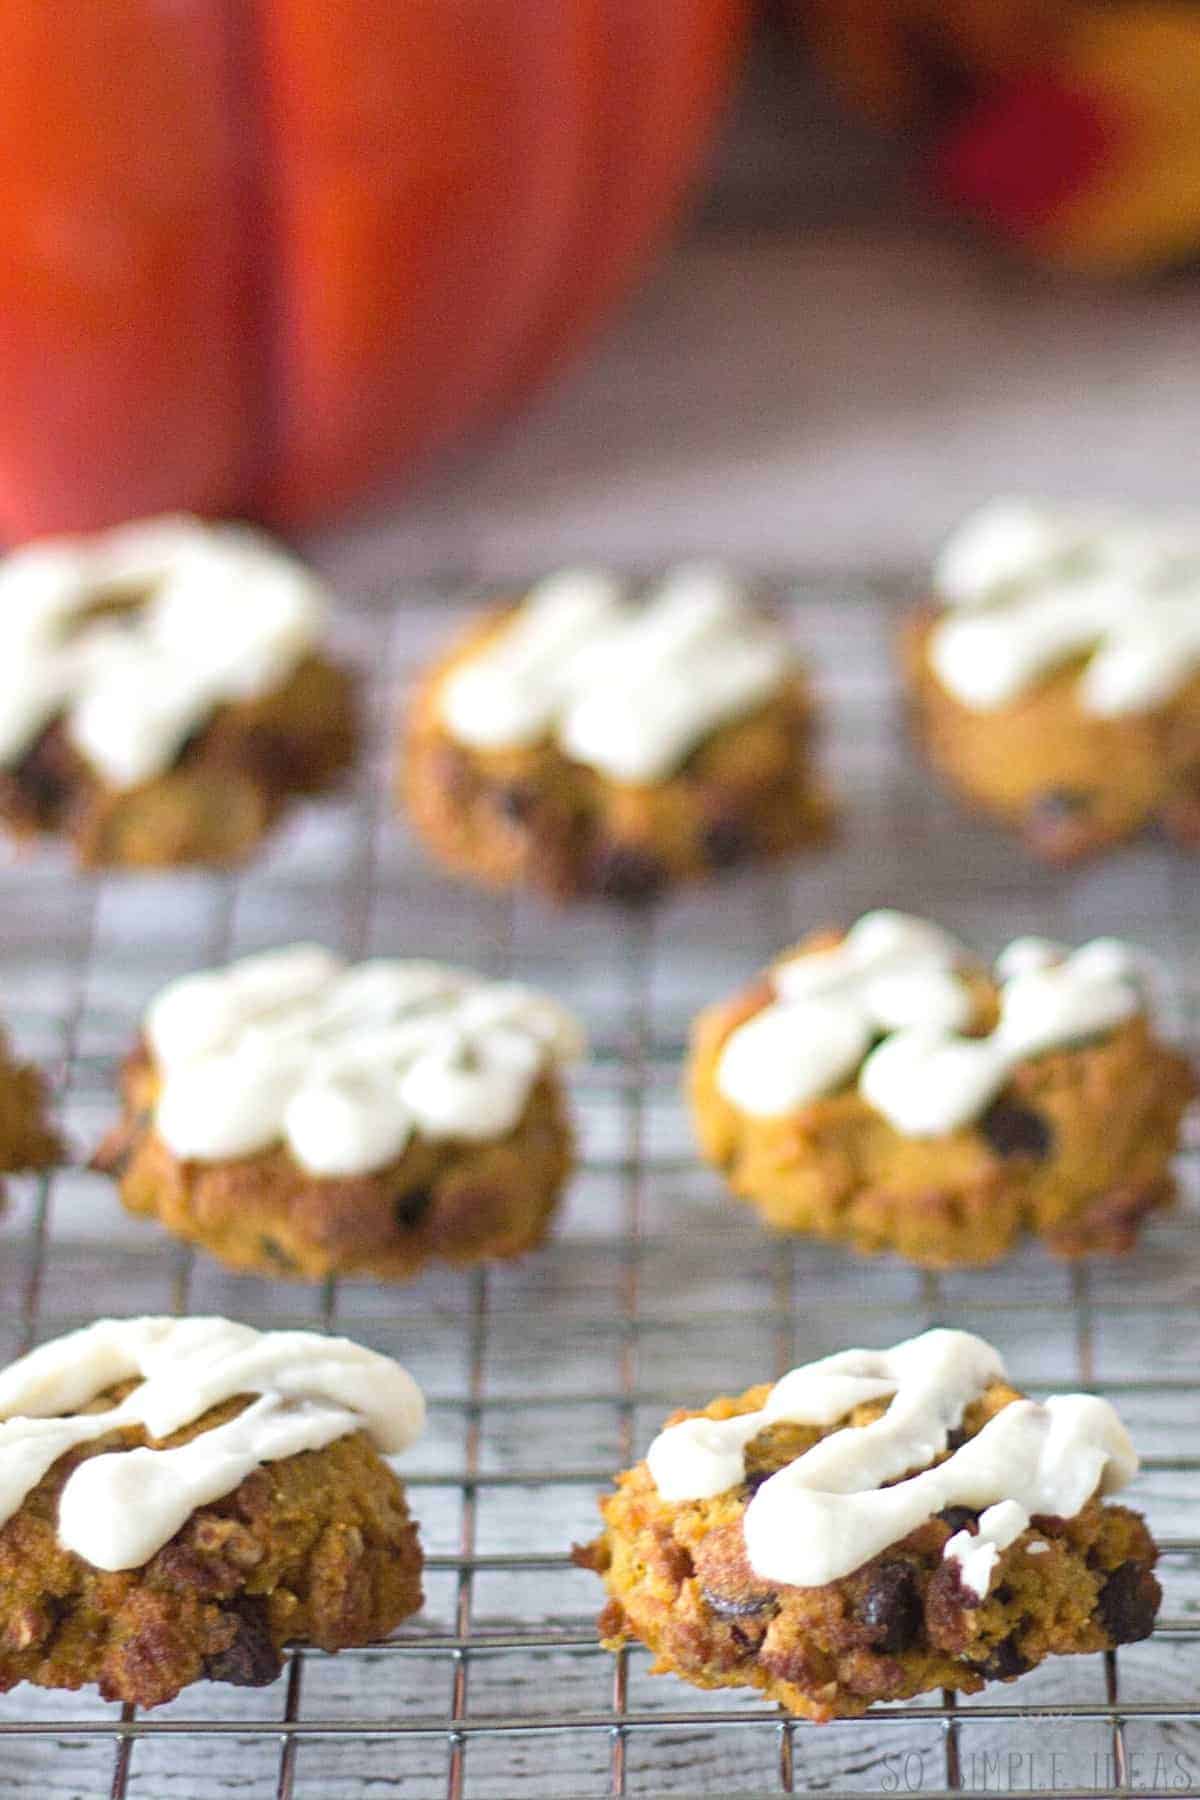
[821, 375]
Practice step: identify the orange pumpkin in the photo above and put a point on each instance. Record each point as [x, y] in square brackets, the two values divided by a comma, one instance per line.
[257, 255]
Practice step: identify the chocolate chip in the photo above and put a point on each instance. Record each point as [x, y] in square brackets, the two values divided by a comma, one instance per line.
[891, 1607]
[955, 1439]
[625, 872]
[725, 842]
[737, 1606]
[1059, 822]
[1128, 1603]
[274, 1251]
[1013, 1130]
[41, 777]
[959, 1517]
[514, 801]
[409, 1209]
[1058, 806]
[252, 1659]
[1004, 1661]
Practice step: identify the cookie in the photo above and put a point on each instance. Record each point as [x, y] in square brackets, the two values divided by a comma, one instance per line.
[881, 1089]
[584, 744]
[181, 1498]
[298, 1117]
[1055, 676]
[27, 1141]
[163, 693]
[873, 1526]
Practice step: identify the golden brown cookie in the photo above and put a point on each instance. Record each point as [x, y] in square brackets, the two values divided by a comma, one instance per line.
[1075, 1146]
[254, 714]
[27, 1141]
[1054, 675]
[533, 814]
[906, 1620]
[315, 1547]
[462, 1185]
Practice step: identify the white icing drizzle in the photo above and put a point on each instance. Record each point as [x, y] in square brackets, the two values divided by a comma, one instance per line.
[896, 975]
[844, 1501]
[1030, 587]
[119, 1508]
[226, 615]
[343, 1064]
[627, 689]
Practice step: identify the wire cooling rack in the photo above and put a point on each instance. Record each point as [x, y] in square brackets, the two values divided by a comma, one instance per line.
[546, 1376]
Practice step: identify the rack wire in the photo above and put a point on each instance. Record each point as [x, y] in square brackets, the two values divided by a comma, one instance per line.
[546, 1376]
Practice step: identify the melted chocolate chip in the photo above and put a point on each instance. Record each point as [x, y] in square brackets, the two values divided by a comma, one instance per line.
[891, 1607]
[1128, 1603]
[252, 1659]
[737, 1606]
[1013, 1130]
[274, 1251]
[958, 1518]
[725, 842]
[409, 1209]
[1005, 1661]
[1059, 806]
[515, 802]
[41, 778]
[625, 872]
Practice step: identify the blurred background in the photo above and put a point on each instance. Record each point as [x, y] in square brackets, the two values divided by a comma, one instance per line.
[450, 289]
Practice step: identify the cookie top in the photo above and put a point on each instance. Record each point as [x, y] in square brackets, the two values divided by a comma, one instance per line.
[135, 637]
[1030, 587]
[904, 981]
[851, 1495]
[117, 1509]
[344, 1064]
[626, 688]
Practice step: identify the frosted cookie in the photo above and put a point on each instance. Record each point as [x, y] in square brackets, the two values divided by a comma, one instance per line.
[180, 1498]
[876, 1525]
[163, 693]
[27, 1141]
[1055, 674]
[883, 1090]
[586, 743]
[296, 1116]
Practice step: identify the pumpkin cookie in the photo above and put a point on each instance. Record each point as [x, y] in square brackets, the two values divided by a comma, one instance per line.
[162, 693]
[298, 1117]
[1055, 677]
[26, 1140]
[881, 1089]
[582, 744]
[876, 1525]
[180, 1498]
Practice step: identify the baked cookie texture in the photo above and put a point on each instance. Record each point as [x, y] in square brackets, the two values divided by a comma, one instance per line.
[680, 1582]
[316, 1547]
[532, 815]
[284, 723]
[1068, 783]
[1069, 778]
[447, 1201]
[27, 1140]
[1075, 1149]
[423, 1118]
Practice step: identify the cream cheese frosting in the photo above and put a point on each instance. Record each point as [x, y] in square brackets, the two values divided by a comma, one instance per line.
[1029, 587]
[896, 978]
[343, 1064]
[626, 688]
[221, 614]
[119, 1508]
[844, 1501]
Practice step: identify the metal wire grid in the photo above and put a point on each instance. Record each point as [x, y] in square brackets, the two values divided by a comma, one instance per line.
[546, 1376]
